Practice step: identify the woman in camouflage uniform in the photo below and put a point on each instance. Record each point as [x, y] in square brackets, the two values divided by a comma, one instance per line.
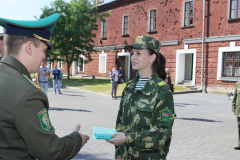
[146, 113]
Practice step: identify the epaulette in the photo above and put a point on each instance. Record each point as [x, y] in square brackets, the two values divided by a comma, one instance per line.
[129, 81]
[238, 82]
[163, 85]
[32, 82]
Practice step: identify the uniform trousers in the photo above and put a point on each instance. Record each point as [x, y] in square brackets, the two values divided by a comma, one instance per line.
[44, 86]
[238, 121]
[114, 88]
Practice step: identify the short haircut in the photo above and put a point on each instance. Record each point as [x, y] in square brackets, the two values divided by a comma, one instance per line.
[13, 43]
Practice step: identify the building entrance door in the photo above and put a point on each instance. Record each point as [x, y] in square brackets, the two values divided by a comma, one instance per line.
[123, 60]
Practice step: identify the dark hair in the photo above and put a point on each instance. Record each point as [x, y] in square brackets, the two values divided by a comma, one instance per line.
[13, 43]
[158, 64]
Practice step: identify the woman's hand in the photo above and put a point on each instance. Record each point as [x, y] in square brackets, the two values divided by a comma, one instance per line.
[118, 138]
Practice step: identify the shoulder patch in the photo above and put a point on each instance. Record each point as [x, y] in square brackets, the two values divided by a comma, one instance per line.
[165, 115]
[32, 82]
[44, 120]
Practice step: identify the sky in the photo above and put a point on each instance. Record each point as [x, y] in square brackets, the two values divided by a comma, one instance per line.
[24, 9]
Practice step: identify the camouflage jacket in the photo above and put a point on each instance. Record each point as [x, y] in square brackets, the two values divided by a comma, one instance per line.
[236, 100]
[146, 117]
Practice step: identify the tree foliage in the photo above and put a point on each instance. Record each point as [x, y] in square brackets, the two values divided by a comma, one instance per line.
[73, 34]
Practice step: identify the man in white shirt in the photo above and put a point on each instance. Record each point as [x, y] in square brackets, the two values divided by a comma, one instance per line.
[42, 78]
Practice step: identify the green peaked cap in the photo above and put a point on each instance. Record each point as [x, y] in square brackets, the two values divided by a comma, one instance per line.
[40, 29]
[145, 42]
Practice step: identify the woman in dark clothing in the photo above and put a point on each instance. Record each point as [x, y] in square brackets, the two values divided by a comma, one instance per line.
[169, 82]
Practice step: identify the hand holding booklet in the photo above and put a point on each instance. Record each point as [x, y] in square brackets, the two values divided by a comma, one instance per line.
[102, 133]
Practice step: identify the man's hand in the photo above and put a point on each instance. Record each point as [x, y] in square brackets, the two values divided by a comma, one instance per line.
[234, 113]
[118, 138]
[85, 138]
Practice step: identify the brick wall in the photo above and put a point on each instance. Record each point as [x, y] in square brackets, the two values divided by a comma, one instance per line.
[169, 27]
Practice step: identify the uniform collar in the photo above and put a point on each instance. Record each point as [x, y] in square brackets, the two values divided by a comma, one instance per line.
[147, 89]
[16, 64]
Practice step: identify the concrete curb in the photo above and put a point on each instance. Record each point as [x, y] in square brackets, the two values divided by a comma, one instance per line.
[181, 92]
[184, 92]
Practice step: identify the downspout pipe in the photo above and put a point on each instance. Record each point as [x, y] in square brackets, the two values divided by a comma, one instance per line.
[203, 33]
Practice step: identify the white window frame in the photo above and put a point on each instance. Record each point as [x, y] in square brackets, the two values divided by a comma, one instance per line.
[83, 57]
[60, 63]
[105, 69]
[102, 30]
[49, 64]
[221, 50]
[123, 22]
[149, 20]
[183, 18]
[229, 11]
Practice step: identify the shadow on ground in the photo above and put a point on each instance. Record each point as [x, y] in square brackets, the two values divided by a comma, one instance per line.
[91, 157]
[184, 104]
[67, 109]
[198, 119]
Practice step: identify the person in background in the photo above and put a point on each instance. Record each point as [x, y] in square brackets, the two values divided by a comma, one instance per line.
[42, 76]
[26, 132]
[236, 110]
[169, 82]
[121, 74]
[55, 79]
[168, 77]
[145, 117]
[60, 78]
[114, 75]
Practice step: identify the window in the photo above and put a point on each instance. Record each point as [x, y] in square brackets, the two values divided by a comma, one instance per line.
[81, 64]
[59, 64]
[231, 64]
[188, 13]
[152, 21]
[125, 25]
[102, 62]
[49, 64]
[234, 9]
[104, 29]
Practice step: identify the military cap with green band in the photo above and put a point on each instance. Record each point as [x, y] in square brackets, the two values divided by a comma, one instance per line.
[40, 29]
[145, 42]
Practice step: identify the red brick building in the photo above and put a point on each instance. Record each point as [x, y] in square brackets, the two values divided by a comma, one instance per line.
[178, 25]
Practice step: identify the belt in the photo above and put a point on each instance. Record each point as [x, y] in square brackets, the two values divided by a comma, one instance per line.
[43, 81]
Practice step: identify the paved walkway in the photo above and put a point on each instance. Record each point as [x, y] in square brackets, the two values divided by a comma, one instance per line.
[205, 128]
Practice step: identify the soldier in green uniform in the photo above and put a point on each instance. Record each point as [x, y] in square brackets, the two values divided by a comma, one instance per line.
[26, 132]
[236, 110]
[146, 113]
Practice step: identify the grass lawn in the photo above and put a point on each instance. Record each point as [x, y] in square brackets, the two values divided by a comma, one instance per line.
[99, 85]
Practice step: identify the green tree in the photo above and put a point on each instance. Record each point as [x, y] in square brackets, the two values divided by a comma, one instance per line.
[73, 34]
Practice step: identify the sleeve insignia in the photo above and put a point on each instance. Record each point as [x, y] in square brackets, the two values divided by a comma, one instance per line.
[44, 120]
[165, 115]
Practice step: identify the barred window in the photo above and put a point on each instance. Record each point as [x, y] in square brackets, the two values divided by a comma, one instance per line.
[231, 64]
[125, 25]
[104, 29]
[152, 20]
[234, 9]
[188, 14]
[80, 64]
